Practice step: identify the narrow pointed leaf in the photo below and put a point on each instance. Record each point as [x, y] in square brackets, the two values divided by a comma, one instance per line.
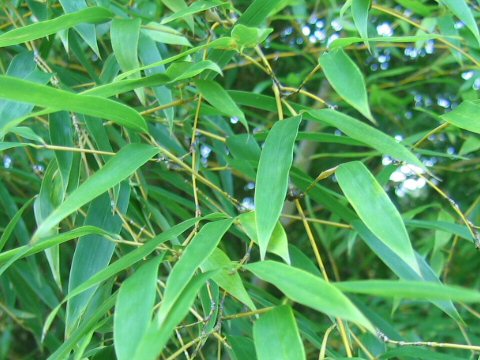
[220, 99]
[276, 336]
[464, 116]
[409, 290]
[86, 31]
[46, 96]
[125, 34]
[27, 250]
[134, 309]
[347, 80]
[462, 10]
[158, 333]
[366, 134]
[121, 166]
[201, 247]
[49, 27]
[227, 277]
[375, 209]
[197, 6]
[272, 177]
[278, 243]
[94, 252]
[309, 290]
[360, 17]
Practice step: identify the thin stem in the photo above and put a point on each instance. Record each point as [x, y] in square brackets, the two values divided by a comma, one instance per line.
[434, 344]
[248, 313]
[319, 221]
[430, 133]
[323, 349]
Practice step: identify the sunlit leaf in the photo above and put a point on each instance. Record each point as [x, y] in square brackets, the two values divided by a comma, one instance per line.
[272, 177]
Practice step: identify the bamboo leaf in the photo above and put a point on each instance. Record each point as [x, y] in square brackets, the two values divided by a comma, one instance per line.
[347, 80]
[124, 34]
[367, 135]
[227, 277]
[94, 252]
[360, 17]
[197, 6]
[49, 27]
[220, 99]
[46, 96]
[375, 209]
[272, 177]
[464, 116]
[158, 332]
[276, 336]
[249, 37]
[461, 10]
[201, 247]
[409, 290]
[134, 309]
[309, 290]
[121, 166]
[278, 243]
[27, 250]
[86, 31]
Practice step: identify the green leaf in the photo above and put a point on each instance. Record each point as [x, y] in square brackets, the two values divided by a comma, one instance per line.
[242, 347]
[94, 252]
[159, 332]
[86, 31]
[276, 336]
[417, 6]
[272, 178]
[27, 250]
[176, 72]
[220, 99]
[201, 247]
[8, 230]
[149, 53]
[49, 27]
[344, 42]
[249, 37]
[127, 260]
[197, 6]
[61, 133]
[22, 66]
[462, 10]
[177, 6]
[278, 243]
[11, 145]
[347, 80]
[464, 116]
[366, 134]
[360, 17]
[134, 309]
[401, 268]
[375, 209]
[135, 255]
[309, 290]
[409, 290]
[124, 34]
[121, 166]
[220, 43]
[257, 12]
[227, 278]
[165, 35]
[46, 96]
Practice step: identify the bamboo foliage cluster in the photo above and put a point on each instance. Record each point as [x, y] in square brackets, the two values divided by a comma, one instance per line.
[257, 179]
